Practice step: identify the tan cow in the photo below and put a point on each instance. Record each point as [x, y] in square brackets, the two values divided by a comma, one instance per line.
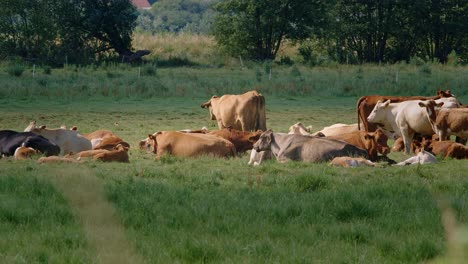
[366, 104]
[22, 153]
[447, 122]
[352, 162]
[242, 140]
[445, 148]
[244, 112]
[373, 142]
[189, 144]
[67, 140]
[337, 129]
[105, 139]
[118, 154]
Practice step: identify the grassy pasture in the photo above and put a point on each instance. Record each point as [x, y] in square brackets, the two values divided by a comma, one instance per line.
[218, 211]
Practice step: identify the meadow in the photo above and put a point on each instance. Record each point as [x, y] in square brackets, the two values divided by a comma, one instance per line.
[222, 210]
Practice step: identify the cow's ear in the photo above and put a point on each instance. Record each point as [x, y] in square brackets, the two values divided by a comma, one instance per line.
[151, 136]
[42, 127]
[440, 104]
[421, 104]
[253, 139]
[386, 103]
[206, 105]
[368, 136]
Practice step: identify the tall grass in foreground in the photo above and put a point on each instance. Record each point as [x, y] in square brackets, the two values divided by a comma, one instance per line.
[36, 224]
[150, 81]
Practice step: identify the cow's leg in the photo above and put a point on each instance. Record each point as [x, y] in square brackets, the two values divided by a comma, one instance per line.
[442, 135]
[407, 135]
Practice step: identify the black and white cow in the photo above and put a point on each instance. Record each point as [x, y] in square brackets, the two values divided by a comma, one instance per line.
[10, 140]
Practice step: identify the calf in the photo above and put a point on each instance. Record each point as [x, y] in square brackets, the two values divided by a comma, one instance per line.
[119, 154]
[445, 148]
[423, 157]
[453, 121]
[457, 151]
[22, 153]
[351, 162]
[242, 140]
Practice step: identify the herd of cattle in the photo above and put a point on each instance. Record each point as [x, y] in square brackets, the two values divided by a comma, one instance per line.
[422, 125]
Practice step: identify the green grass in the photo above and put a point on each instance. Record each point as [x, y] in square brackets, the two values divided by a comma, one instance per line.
[214, 210]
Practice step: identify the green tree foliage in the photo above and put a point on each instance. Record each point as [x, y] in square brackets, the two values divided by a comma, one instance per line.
[256, 28]
[178, 15]
[50, 31]
[394, 30]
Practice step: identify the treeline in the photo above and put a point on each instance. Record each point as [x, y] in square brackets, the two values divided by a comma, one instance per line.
[343, 31]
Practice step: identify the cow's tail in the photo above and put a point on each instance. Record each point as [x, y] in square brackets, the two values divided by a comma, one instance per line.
[358, 106]
[261, 115]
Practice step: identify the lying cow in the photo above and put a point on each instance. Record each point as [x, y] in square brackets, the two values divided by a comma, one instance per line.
[57, 159]
[333, 130]
[22, 153]
[373, 142]
[244, 112]
[189, 145]
[423, 157]
[447, 122]
[67, 140]
[351, 162]
[286, 147]
[366, 104]
[104, 139]
[404, 119]
[445, 148]
[118, 154]
[11, 140]
[242, 140]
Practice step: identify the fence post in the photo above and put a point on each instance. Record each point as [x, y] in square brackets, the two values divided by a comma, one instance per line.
[34, 70]
[139, 71]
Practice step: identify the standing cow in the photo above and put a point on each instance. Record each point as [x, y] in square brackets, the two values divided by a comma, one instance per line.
[244, 112]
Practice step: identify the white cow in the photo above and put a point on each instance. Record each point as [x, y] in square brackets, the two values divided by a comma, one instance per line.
[67, 140]
[405, 118]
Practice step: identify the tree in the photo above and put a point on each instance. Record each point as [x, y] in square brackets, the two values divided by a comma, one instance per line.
[256, 28]
[79, 30]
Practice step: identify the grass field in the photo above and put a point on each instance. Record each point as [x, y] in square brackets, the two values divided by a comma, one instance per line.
[219, 210]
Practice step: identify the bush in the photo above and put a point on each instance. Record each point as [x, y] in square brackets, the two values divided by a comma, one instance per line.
[149, 70]
[425, 68]
[15, 70]
[453, 59]
[47, 70]
[417, 61]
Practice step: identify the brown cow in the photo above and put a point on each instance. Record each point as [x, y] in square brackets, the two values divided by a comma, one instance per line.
[105, 139]
[457, 151]
[118, 154]
[447, 122]
[242, 140]
[373, 142]
[351, 162]
[366, 104]
[244, 112]
[189, 144]
[22, 153]
[57, 159]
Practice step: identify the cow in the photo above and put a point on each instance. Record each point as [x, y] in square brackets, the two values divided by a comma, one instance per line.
[105, 139]
[118, 154]
[403, 119]
[447, 122]
[67, 140]
[373, 142]
[10, 140]
[57, 159]
[333, 130]
[287, 147]
[244, 112]
[22, 153]
[423, 157]
[457, 151]
[366, 104]
[352, 162]
[256, 158]
[242, 140]
[189, 145]
[88, 153]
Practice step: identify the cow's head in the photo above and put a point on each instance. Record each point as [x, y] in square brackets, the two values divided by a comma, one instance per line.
[446, 93]
[152, 143]
[42, 144]
[378, 113]
[299, 129]
[430, 109]
[209, 105]
[381, 141]
[30, 127]
[264, 142]
[120, 147]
